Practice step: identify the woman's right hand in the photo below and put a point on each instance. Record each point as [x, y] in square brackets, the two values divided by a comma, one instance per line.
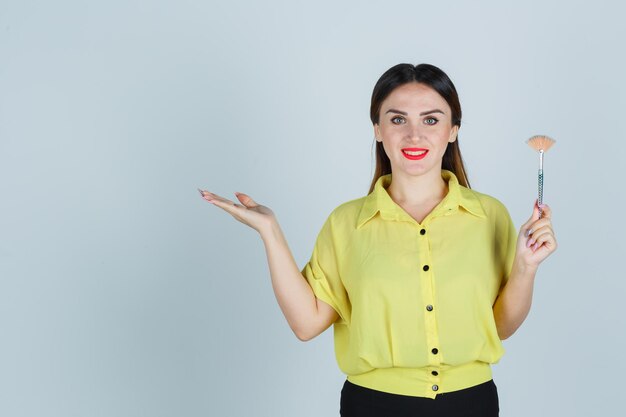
[248, 212]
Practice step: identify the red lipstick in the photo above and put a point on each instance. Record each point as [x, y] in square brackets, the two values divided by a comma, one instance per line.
[412, 150]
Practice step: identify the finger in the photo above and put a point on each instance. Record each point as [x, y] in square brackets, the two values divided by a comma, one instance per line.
[533, 217]
[213, 196]
[210, 197]
[546, 240]
[536, 225]
[539, 234]
[227, 205]
[246, 199]
[206, 194]
[546, 211]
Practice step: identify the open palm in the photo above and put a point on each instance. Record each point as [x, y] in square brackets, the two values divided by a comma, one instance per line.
[249, 212]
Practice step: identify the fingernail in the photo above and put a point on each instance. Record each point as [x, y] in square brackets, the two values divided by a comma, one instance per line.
[542, 205]
[535, 246]
[528, 243]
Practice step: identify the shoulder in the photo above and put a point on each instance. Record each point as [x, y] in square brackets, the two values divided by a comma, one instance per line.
[343, 218]
[338, 227]
[348, 209]
[346, 213]
[492, 206]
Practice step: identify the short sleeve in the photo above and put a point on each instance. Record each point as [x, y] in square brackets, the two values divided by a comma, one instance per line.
[322, 271]
[507, 240]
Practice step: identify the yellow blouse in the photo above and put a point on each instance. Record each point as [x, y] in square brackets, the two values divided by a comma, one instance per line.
[415, 300]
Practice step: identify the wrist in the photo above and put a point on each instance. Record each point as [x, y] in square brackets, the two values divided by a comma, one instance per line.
[524, 269]
[270, 229]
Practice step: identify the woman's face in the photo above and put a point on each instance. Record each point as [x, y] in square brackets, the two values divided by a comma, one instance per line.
[415, 116]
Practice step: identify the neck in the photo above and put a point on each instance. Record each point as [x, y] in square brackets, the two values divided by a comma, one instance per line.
[418, 190]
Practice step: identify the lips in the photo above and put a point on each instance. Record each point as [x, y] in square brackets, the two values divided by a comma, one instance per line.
[413, 150]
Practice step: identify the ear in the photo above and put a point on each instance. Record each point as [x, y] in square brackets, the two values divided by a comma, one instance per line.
[377, 132]
[453, 133]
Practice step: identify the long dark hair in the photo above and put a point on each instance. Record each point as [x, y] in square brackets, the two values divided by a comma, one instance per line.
[436, 79]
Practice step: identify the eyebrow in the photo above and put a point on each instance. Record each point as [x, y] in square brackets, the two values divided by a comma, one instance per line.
[421, 114]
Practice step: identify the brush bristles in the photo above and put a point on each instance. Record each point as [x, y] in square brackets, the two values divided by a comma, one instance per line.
[540, 142]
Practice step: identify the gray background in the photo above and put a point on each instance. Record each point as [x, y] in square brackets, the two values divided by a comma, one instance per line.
[123, 293]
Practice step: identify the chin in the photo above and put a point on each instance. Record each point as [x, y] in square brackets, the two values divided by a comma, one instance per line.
[415, 169]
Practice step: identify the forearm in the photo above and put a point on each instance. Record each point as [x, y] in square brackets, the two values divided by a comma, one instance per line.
[293, 293]
[513, 303]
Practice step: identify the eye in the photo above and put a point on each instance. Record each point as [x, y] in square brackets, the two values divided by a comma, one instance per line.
[397, 117]
[431, 118]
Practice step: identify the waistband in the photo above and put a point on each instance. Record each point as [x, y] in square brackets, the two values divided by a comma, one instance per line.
[424, 382]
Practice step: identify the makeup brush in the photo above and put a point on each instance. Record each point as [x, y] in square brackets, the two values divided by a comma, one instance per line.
[540, 143]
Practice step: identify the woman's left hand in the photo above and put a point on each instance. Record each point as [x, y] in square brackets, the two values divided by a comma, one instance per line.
[536, 239]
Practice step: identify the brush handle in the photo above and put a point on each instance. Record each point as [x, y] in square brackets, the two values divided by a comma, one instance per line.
[540, 200]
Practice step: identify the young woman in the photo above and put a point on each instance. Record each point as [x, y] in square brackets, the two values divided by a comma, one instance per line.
[422, 278]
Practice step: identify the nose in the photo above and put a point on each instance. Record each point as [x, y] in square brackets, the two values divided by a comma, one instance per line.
[416, 132]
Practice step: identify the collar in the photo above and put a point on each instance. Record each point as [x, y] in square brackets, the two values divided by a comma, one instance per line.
[380, 201]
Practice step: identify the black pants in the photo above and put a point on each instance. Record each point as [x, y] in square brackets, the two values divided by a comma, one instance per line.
[477, 401]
